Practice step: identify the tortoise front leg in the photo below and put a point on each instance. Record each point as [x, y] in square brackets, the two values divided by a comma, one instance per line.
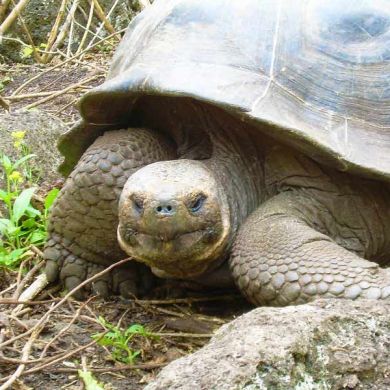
[278, 259]
[83, 221]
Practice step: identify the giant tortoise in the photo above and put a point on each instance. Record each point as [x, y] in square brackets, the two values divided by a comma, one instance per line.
[242, 142]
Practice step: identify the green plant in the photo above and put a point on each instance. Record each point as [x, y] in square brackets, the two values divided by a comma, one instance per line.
[24, 224]
[90, 382]
[27, 50]
[5, 81]
[118, 340]
[30, 173]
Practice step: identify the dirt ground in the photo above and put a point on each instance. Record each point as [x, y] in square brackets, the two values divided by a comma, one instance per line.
[50, 354]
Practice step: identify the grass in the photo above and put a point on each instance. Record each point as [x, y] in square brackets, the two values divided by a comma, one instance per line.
[23, 225]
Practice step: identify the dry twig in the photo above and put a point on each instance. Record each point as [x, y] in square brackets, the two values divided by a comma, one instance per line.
[64, 299]
[26, 279]
[83, 39]
[62, 92]
[12, 16]
[100, 14]
[63, 31]
[61, 64]
[64, 330]
[54, 31]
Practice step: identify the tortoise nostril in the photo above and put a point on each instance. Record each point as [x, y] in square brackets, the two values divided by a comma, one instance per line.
[165, 209]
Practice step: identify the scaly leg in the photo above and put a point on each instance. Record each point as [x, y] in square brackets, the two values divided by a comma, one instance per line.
[83, 221]
[279, 259]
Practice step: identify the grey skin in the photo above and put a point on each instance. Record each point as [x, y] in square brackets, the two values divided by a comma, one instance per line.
[290, 229]
[263, 160]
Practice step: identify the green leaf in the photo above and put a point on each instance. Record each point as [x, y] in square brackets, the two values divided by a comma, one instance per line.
[51, 197]
[29, 223]
[135, 329]
[5, 196]
[11, 259]
[37, 236]
[23, 160]
[5, 224]
[6, 163]
[26, 51]
[32, 211]
[21, 204]
[90, 382]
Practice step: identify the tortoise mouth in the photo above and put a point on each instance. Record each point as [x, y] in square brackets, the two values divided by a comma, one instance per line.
[136, 237]
[163, 250]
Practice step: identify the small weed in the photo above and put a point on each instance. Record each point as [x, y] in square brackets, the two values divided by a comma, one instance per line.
[106, 46]
[90, 382]
[27, 50]
[118, 340]
[24, 225]
[4, 82]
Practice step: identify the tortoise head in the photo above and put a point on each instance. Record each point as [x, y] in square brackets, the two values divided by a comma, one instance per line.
[174, 217]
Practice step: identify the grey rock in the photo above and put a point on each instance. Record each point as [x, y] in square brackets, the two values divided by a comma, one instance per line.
[328, 344]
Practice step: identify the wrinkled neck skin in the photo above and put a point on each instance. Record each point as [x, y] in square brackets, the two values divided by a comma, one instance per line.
[236, 164]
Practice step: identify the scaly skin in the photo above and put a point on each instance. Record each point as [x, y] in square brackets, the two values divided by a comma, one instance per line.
[311, 239]
[297, 230]
[82, 229]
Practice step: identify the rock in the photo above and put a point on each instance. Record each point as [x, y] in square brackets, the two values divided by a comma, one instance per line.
[42, 132]
[328, 344]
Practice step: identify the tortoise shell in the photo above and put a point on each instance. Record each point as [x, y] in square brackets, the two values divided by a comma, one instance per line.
[314, 74]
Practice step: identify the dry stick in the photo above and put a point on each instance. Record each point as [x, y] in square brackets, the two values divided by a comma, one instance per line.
[100, 14]
[66, 61]
[33, 290]
[64, 30]
[90, 31]
[19, 277]
[188, 335]
[186, 300]
[145, 366]
[12, 16]
[70, 39]
[36, 250]
[63, 330]
[9, 288]
[64, 299]
[25, 354]
[54, 95]
[26, 279]
[63, 108]
[36, 55]
[4, 104]
[66, 356]
[54, 30]
[3, 8]
[90, 45]
[32, 95]
[10, 301]
[83, 39]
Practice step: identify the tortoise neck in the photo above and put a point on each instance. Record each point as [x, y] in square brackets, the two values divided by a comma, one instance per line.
[236, 163]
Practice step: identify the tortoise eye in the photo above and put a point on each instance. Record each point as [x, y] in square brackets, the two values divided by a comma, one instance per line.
[197, 203]
[138, 204]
